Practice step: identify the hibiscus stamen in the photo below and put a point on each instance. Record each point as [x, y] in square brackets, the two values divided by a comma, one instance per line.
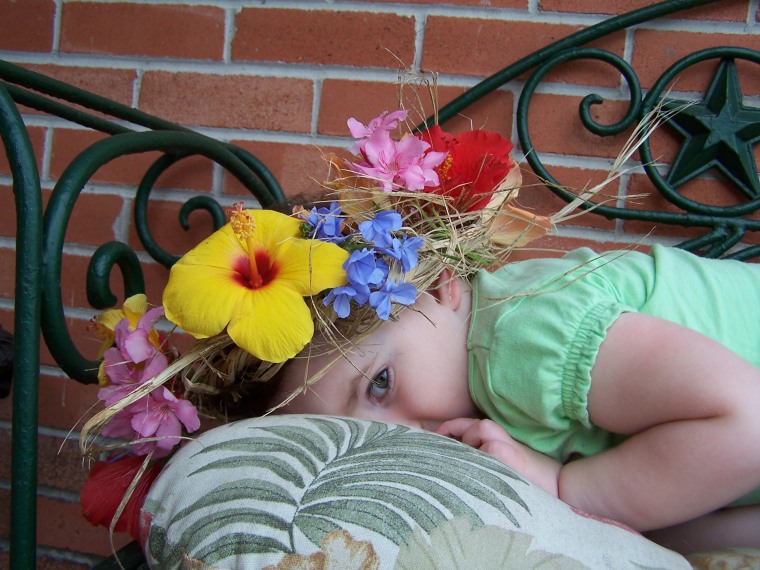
[443, 169]
[244, 227]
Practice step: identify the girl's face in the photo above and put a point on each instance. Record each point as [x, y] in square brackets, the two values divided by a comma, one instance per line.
[411, 372]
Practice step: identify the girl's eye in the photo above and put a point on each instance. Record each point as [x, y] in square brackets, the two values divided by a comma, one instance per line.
[380, 384]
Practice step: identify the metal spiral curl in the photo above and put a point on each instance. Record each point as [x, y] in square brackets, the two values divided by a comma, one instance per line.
[631, 115]
[63, 198]
[102, 262]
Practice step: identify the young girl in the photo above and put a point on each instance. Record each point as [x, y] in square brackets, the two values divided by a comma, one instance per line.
[627, 384]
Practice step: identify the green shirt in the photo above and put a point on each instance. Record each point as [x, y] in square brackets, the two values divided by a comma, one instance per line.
[537, 326]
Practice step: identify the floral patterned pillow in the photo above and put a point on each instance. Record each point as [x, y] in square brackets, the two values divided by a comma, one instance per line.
[323, 492]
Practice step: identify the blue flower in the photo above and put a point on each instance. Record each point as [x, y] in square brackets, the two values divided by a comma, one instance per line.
[378, 229]
[403, 293]
[341, 297]
[327, 223]
[364, 268]
[405, 250]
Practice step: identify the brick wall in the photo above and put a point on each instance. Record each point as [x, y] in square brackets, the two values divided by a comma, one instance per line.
[280, 78]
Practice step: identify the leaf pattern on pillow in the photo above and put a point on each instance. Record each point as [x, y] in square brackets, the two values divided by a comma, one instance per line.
[278, 481]
[459, 544]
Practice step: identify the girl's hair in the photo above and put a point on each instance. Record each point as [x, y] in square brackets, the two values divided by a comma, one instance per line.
[256, 398]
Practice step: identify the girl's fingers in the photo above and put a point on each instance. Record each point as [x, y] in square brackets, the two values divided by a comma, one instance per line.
[455, 428]
[474, 432]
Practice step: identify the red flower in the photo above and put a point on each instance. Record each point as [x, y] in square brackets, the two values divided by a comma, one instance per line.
[105, 487]
[476, 164]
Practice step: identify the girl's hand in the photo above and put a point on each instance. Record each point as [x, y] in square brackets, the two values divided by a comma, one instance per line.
[491, 438]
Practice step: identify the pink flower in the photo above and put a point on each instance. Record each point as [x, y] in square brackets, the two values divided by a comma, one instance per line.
[383, 123]
[135, 360]
[162, 415]
[123, 372]
[406, 164]
[136, 344]
[120, 425]
[119, 371]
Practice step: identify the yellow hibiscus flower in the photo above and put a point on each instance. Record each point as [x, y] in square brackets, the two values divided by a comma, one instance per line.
[251, 277]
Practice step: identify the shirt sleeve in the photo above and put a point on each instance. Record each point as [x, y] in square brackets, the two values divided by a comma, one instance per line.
[535, 363]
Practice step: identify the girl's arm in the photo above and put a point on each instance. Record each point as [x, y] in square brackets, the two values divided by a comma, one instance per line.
[692, 409]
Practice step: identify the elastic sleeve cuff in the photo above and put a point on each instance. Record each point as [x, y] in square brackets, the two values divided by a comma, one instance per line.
[582, 353]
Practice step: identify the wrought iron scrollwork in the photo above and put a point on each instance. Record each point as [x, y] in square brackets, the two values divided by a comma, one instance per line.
[631, 116]
[177, 145]
[720, 119]
[174, 142]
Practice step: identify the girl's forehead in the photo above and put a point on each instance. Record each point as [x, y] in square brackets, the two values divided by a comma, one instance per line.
[323, 386]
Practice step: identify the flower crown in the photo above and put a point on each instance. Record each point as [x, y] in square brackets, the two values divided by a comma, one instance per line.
[401, 209]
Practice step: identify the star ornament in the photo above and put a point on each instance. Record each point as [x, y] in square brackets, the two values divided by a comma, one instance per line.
[719, 133]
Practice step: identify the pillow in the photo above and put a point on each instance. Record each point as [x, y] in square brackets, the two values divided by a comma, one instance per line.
[296, 491]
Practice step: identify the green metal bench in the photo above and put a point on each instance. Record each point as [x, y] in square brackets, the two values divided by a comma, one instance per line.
[718, 132]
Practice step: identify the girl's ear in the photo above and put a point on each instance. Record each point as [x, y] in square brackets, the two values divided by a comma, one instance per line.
[447, 290]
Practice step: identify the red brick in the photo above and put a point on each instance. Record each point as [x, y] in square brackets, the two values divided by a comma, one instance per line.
[590, 7]
[114, 84]
[486, 46]
[155, 280]
[365, 100]
[61, 525]
[324, 37]
[558, 245]
[555, 127]
[656, 50]
[536, 197]
[163, 223]
[708, 191]
[59, 463]
[729, 10]
[64, 403]
[92, 219]
[81, 335]
[27, 25]
[241, 102]
[474, 3]
[8, 274]
[6, 320]
[158, 30]
[7, 212]
[299, 169]
[193, 173]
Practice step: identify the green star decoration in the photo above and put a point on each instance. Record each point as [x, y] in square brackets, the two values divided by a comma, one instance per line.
[720, 132]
